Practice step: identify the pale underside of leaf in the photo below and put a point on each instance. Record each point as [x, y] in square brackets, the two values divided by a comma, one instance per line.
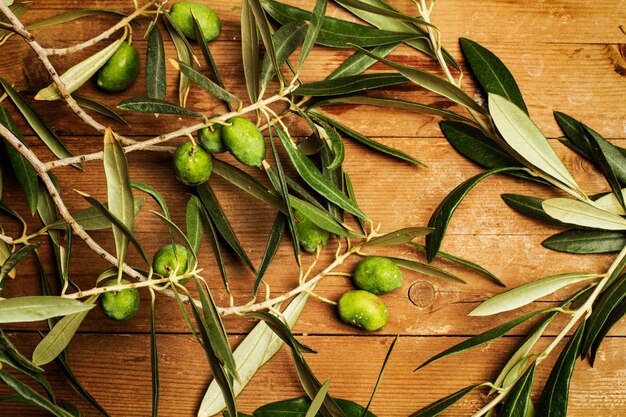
[583, 214]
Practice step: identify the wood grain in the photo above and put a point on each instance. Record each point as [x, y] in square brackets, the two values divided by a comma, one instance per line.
[557, 51]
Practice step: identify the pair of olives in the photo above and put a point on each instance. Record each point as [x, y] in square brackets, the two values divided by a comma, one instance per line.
[119, 72]
[124, 305]
[363, 308]
[241, 137]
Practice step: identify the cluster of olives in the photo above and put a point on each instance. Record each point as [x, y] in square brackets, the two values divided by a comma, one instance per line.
[363, 308]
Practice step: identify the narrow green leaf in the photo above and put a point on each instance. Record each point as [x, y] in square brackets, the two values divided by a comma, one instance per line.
[91, 218]
[372, 144]
[256, 349]
[314, 27]
[311, 175]
[428, 270]
[334, 174]
[154, 361]
[152, 192]
[614, 317]
[156, 81]
[31, 396]
[431, 82]
[193, 221]
[24, 172]
[297, 407]
[61, 361]
[383, 14]
[72, 15]
[553, 400]
[250, 51]
[359, 62]
[7, 346]
[37, 123]
[334, 143]
[335, 32]
[531, 207]
[90, 104]
[120, 195]
[38, 377]
[586, 241]
[573, 130]
[399, 237]
[125, 233]
[491, 73]
[380, 375]
[273, 242]
[349, 84]
[59, 337]
[216, 245]
[610, 202]
[472, 143]
[463, 262]
[610, 299]
[80, 73]
[177, 233]
[443, 213]
[151, 105]
[582, 214]
[213, 208]
[36, 308]
[523, 135]
[485, 337]
[287, 39]
[204, 82]
[12, 261]
[184, 53]
[318, 400]
[529, 292]
[321, 218]
[518, 401]
[266, 36]
[396, 104]
[443, 404]
[352, 196]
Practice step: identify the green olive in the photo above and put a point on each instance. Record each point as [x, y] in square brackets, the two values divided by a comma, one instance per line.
[192, 164]
[211, 139]
[120, 305]
[120, 70]
[244, 141]
[377, 275]
[208, 20]
[171, 258]
[362, 309]
[310, 235]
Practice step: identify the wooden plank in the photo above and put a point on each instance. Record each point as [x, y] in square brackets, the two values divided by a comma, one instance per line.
[119, 375]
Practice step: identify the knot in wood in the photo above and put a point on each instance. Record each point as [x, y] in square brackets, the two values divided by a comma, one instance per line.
[422, 294]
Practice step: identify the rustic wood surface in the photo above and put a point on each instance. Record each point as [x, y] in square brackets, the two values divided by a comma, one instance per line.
[559, 52]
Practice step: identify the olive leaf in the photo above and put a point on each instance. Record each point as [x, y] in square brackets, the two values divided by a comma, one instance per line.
[204, 82]
[491, 73]
[582, 214]
[7, 346]
[523, 135]
[321, 218]
[99, 108]
[151, 105]
[287, 39]
[193, 221]
[425, 269]
[371, 143]
[380, 374]
[154, 361]
[349, 84]
[318, 400]
[36, 308]
[335, 32]
[72, 15]
[611, 203]
[266, 36]
[529, 292]
[90, 218]
[381, 13]
[24, 172]
[531, 207]
[38, 377]
[297, 407]
[80, 73]
[359, 62]
[392, 103]
[518, 401]
[473, 144]
[616, 315]
[443, 404]
[443, 213]
[554, 396]
[431, 82]
[586, 241]
[399, 237]
[250, 51]
[273, 242]
[37, 123]
[32, 397]
[314, 27]
[184, 53]
[213, 208]
[352, 196]
[11, 262]
[156, 81]
[59, 337]
[311, 175]
[334, 144]
[485, 337]
[256, 349]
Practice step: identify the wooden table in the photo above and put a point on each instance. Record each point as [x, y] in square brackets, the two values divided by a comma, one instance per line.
[559, 52]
